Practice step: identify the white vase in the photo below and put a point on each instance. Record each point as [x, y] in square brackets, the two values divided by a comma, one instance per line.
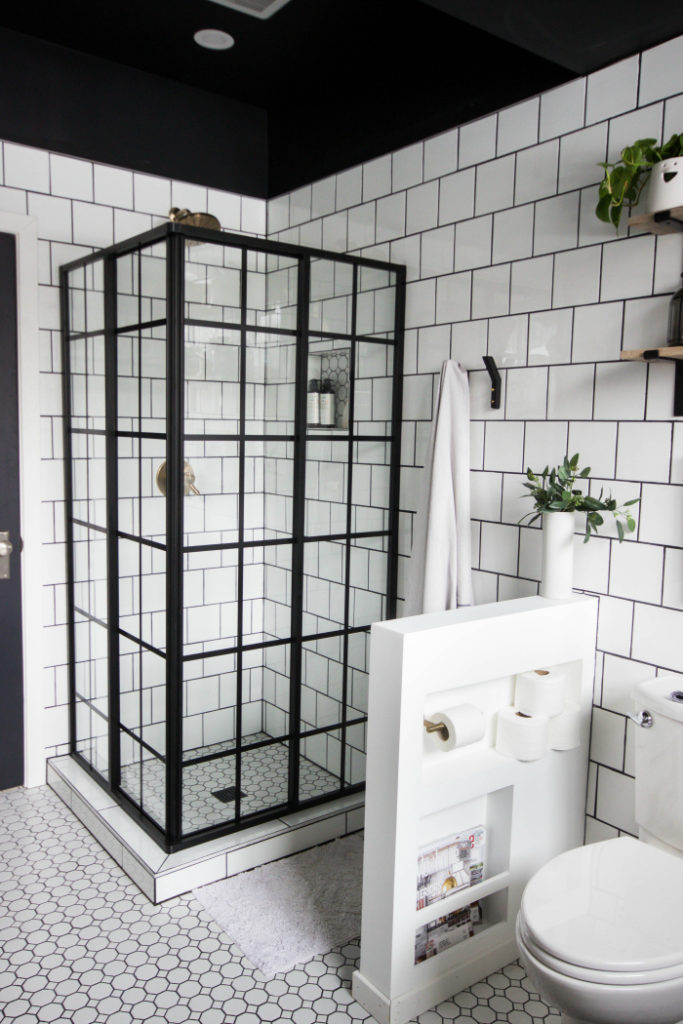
[557, 571]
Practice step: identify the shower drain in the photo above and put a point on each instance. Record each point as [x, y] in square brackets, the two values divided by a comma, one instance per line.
[227, 795]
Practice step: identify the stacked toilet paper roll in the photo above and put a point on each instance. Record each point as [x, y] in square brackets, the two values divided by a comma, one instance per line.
[541, 718]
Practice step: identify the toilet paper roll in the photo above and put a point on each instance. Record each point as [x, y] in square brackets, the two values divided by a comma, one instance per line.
[465, 724]
[540, 692]
[520, 736]
[565, 729]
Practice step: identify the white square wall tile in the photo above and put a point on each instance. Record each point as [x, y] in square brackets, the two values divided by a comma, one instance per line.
[570, 392]
[596, 443]
[152, 194]
[536, 175]
[562, 109]
[608, 737]
[323, 195]
[508, 340]
[530, 553]
[468, 342]
[668, 261]
[441, 154]
[361, 226]
[437, 251]
[453, 297]
[661, 71]
[92, 224]
[499, 548]
[495, 185]
[620, 391]
[673, 578]
[433, 346]
[54, 216]
[377, 178]
[531, 284]
[613, 90]
[580, 155]
[527, 390]
[645, 123]
[661, 514]
[490, 291]
[518, 126]
[636, 572]
[349, 187]
[513, 233]
[627, 268]
[643, 452]
[477, 141]
[614, 625]
[300, 205]
[550, 336]
[615, 801]
[406, 167]
[545, 444]
[422, 211]
[420, 303]
[516, 502]
[391, 217]
[473, 243]
[591, 230]
[253, 216]
[485, 496]
[185, 194]
[225, 206]
[677, 454]
[26, 167]
[620, 675]
[657, 636]
[577, 277]
[503, 446]
[557, 223]
[591, 561]
[673, 115]
[71, 178]
[456, 196]
[597, 332]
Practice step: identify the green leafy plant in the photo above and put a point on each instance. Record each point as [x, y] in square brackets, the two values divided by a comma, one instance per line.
[625, 179]
[554, 490]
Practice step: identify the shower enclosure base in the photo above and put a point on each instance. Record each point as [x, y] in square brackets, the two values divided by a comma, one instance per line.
[160, 875]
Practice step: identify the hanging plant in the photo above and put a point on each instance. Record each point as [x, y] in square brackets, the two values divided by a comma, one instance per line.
[625, 179]
[554, 490]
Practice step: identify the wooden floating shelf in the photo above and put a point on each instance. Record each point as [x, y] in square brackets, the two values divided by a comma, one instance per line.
[665, 222]
[650, 354]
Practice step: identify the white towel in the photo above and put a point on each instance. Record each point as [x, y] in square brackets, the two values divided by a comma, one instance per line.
[440, 568]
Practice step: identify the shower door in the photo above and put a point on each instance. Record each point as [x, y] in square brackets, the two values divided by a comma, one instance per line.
[228, 555]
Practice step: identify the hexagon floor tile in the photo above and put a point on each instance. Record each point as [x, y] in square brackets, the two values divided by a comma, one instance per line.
[79, 943]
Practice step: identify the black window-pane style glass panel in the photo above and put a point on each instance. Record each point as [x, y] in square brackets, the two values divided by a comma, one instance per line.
[244, 541]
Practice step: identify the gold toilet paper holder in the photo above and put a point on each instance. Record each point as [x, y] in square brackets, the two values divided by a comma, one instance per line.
[439, 727]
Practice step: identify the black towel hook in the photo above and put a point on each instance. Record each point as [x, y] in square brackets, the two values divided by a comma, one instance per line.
[490, 364]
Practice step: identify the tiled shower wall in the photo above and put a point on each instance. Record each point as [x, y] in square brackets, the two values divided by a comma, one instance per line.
[81, 206]
[495, 223]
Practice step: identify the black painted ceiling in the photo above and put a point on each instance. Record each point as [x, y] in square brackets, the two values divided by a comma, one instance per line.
[346, 80]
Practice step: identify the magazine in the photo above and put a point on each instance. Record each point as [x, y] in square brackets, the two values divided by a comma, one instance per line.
[451, 864]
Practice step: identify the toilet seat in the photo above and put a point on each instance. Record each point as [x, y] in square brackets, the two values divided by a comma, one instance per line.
[610, 913]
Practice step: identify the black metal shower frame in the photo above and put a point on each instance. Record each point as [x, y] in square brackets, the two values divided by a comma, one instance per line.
[176, 235]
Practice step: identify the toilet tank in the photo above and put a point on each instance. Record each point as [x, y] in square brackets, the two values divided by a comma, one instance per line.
[659, 761]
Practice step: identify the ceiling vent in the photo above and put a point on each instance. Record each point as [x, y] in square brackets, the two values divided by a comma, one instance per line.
[259, 8]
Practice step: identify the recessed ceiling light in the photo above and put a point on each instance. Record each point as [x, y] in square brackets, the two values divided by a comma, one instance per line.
[213, 39]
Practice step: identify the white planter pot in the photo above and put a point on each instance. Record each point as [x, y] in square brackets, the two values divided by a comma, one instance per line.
[664, 190]
[557, 572]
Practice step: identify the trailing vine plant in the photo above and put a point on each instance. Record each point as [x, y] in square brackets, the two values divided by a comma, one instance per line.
[625, 179]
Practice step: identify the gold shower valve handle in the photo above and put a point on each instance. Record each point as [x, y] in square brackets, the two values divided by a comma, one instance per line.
[188, 479]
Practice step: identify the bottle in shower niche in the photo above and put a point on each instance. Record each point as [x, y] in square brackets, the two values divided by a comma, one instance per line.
[327, 404]
[313, 403]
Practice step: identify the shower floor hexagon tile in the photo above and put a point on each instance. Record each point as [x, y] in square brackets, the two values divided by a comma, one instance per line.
[80, 943]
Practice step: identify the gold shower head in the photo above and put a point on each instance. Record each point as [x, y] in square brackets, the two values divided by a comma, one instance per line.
[195, 220]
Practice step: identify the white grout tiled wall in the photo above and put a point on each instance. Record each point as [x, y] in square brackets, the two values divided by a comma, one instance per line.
[82, 206]
[495, 223]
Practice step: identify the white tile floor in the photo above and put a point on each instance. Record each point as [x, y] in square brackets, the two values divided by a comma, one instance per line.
[79, 943]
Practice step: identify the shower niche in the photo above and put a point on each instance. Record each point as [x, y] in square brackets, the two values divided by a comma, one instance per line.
[226, 556]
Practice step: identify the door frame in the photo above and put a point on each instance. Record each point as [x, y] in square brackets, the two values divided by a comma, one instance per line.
[25, 231]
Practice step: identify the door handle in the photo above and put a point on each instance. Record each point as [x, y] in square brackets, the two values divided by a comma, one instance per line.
[6, 549]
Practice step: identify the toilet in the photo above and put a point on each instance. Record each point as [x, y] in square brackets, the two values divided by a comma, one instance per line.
[600, 928]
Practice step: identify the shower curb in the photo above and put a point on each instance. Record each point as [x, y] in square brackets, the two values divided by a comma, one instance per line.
[160, 875]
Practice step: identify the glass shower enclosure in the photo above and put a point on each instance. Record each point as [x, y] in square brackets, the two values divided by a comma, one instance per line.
[232, 428]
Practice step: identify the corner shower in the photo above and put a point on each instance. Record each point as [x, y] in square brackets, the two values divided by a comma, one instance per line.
[226, 556]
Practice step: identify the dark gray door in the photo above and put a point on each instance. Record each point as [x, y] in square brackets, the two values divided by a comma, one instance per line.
[11, 684]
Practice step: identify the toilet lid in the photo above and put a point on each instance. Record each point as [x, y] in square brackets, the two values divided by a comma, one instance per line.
[610, 906]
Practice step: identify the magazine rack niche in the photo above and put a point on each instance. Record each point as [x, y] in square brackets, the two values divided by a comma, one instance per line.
[420, 794]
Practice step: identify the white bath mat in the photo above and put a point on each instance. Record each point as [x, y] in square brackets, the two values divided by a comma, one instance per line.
[288, 911]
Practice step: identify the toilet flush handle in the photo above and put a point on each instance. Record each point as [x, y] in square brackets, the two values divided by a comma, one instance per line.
[643, 718]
